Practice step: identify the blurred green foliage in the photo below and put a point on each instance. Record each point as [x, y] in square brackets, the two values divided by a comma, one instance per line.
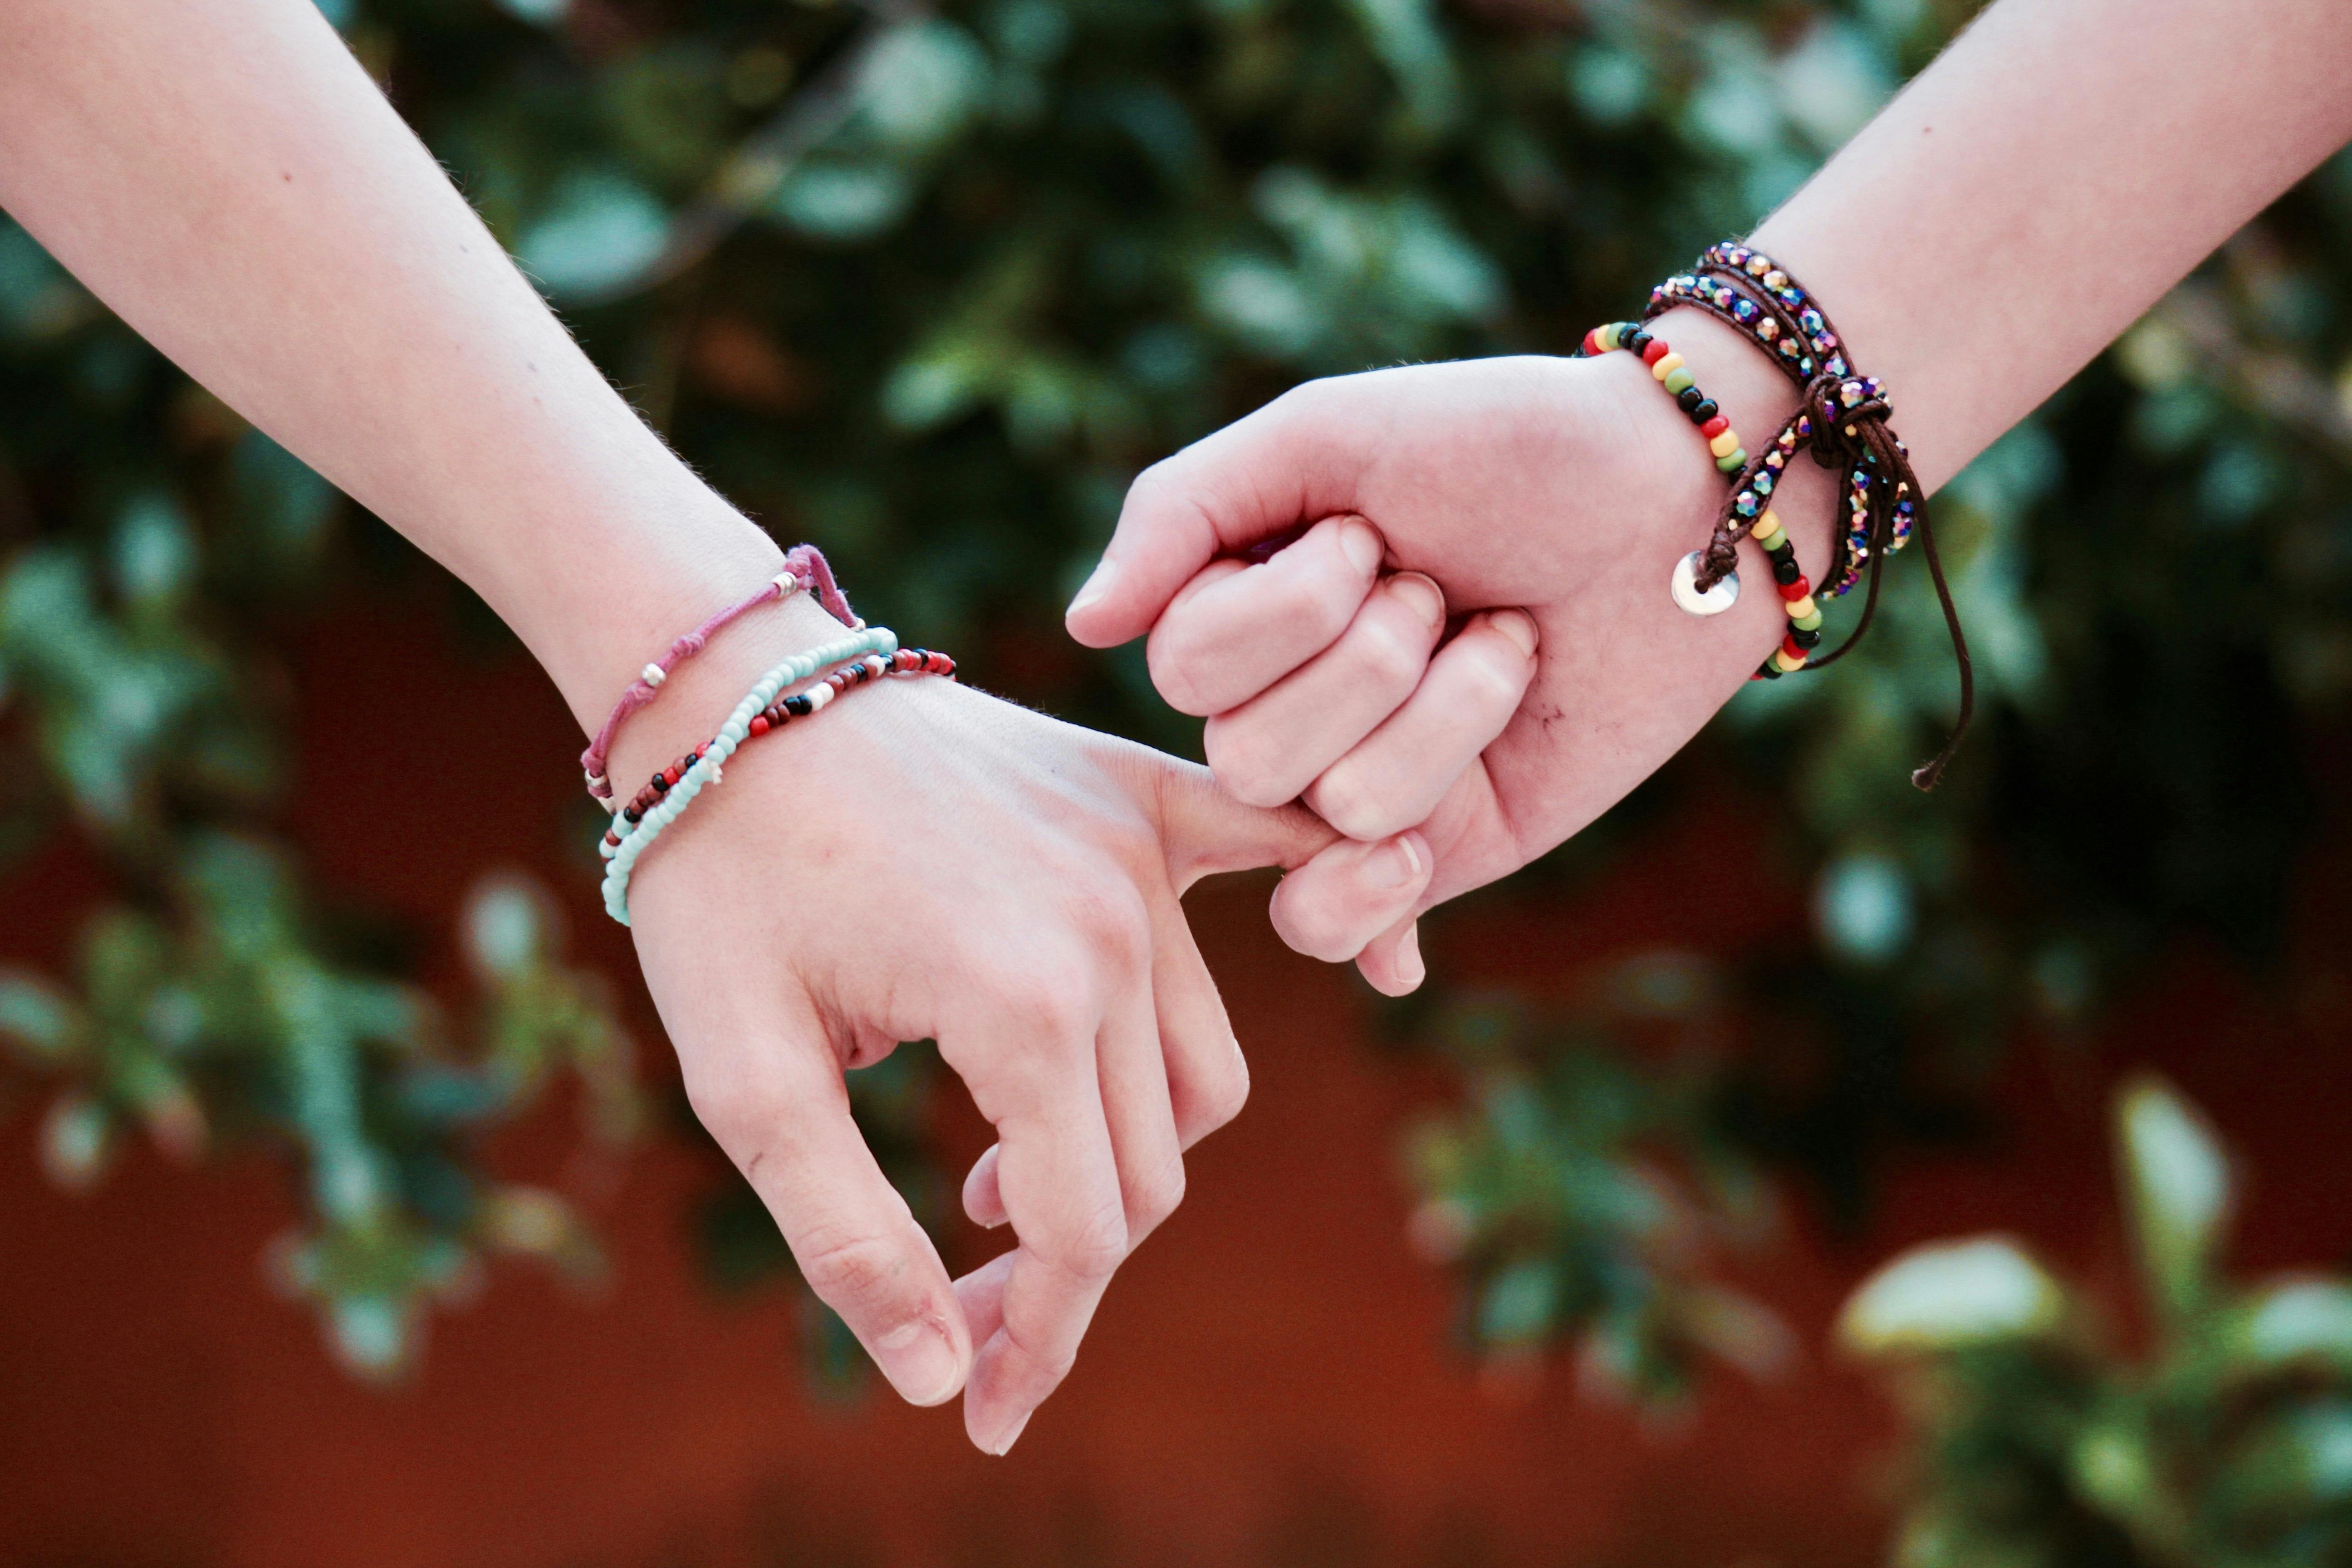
[1588, 1191]
[2227, 1444]
[928, 284]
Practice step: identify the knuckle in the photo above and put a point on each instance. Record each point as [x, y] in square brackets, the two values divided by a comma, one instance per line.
[1342, 798]
[1498, 673]
[1306, 925]
[1096, 1248]
[1169, 657]
[1156, 1197]
[742, 1120]
[1243, 763]
[1386, 657]
[1224, 1094]
[1111, 921]
[854, 1274]
[1317, 595]
[1049, 1002]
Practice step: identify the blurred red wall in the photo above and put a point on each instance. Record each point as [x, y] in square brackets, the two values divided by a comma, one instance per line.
[1270, 1382]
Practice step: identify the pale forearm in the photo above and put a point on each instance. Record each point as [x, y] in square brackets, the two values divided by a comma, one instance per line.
[2045, 182]
[226, 178]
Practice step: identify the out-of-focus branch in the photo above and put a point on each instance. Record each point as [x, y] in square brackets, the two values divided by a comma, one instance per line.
[757, 168]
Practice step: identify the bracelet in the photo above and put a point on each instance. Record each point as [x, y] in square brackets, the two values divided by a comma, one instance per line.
[1841, 419]
[805, 569]
[1722, 444]
[635, 837]
[775, 716]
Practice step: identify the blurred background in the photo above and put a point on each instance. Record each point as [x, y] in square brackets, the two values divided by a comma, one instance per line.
[1951, 1180]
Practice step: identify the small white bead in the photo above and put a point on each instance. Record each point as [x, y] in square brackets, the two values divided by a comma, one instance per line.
[651, 675]
[715, 775]
[787, 584]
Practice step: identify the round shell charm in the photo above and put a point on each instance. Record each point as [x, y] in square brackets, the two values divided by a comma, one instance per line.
[1714, 601]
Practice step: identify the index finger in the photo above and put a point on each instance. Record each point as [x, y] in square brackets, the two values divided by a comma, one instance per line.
[777, 1105]
[1059, 1185]
[1294, 460]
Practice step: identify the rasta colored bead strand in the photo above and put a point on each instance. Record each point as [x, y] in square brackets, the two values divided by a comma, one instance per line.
[635, 838]
[1722, 445]
[1667, 367]
[805, 569]
[775, 716]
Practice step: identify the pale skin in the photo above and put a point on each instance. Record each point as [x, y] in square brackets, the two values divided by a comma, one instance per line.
[2022, 202]
[923, 861]
[225, 176]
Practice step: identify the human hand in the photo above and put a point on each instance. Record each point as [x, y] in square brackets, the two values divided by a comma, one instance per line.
[926, 861]
[1565, 489]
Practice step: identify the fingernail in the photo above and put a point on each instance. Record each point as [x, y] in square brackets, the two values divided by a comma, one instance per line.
[1409, 969]
[919, 1363]
[1095, 586]
[1004, 1445]
[1518, 626]
[1420, 594]
[1360, 542]
[1393, 864]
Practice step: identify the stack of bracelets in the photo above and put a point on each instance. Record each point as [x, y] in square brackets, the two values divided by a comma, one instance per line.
[867, 654]
[1842, 417]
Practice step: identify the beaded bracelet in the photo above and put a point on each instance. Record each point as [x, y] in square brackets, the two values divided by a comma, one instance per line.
[1842, 417]
[775, 716]
[805, 570]
[635, 838]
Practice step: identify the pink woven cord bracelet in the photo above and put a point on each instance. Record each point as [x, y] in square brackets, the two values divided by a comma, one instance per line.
[805, 569]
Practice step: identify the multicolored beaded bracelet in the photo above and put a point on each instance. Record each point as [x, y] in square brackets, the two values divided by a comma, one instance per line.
[1667, 367]
[1842, 417]
[635, 838]
[775, 716]
[805, 570]
[1790, 326]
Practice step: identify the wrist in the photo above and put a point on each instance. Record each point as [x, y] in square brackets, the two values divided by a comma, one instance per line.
[699, 694]
[1757, 400]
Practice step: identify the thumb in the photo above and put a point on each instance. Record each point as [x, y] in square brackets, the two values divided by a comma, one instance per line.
[1294, 461]
[1204, 830]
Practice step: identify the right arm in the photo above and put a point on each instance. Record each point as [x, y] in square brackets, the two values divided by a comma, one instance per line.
[2025, 199]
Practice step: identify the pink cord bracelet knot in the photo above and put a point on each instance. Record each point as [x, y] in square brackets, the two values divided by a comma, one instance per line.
[805, 569]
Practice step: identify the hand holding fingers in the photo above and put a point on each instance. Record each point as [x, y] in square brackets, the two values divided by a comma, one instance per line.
[1397, 776]
[1269, 748]
[1348, 894]
[1347, 901]
[1229, 634]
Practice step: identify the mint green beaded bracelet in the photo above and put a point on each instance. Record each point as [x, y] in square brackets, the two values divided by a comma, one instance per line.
[638, 838]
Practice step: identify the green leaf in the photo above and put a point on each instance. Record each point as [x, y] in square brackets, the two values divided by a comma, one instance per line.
[76, 1139]
[601, 230]
[843, 201]
[2177, 1181]
[1951, 1295]
[1518, 1305]
[42, 1022]
[2304, 1321]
